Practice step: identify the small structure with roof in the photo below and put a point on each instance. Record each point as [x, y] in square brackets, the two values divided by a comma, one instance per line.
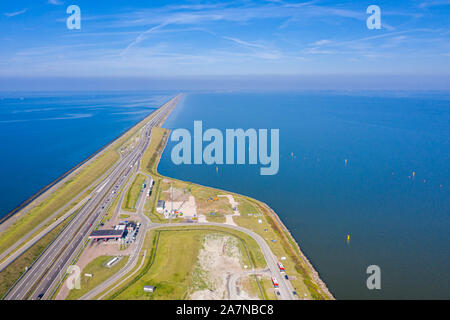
[150, 289]
[161, 204]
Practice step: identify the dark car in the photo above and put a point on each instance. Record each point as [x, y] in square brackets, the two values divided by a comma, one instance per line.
[40, 296]
[286, 277]
[295, 293]
[278, 293]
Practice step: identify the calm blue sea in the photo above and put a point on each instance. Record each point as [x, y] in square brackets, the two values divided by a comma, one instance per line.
[396, 221]
[44, 135]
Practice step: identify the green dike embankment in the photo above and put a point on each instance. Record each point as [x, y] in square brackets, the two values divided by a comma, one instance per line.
[305, 278]
[133, 193]
[64, 192]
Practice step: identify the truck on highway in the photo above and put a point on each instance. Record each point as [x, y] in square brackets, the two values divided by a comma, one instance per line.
[275, 282]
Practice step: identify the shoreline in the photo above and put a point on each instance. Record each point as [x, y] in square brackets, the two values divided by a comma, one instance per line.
[311, 269]
[42, 193]
[314, 272]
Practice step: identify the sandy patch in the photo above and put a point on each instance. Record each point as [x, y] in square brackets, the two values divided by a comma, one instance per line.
[217, 260]
[178, 195]
[187, 208]
[229, 220]
[233, 203]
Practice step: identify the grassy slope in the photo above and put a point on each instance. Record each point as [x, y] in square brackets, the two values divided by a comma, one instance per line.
[100, 274]
[149, 162]
[133, 193]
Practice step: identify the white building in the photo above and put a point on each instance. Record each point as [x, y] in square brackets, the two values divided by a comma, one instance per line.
[149, 289]
[160, 206]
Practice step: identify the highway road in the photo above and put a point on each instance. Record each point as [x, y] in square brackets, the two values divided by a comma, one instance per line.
[47, 270]
[134, 257]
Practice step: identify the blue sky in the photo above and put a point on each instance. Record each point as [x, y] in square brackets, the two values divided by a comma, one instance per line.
[210, 38]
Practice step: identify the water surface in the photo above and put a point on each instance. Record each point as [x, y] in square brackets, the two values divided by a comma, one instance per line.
[43, 135]
[396, 221]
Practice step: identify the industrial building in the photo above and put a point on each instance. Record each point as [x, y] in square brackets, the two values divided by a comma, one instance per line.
[106, 234]
[161, 204]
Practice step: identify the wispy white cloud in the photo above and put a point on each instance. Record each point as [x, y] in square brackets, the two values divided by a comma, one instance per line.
[141, 37]
[244, 43]
[190, 39]
[13, 14]
[56, 2]
[321, 42]
[428, 4]
[394, 35]
[196, 15]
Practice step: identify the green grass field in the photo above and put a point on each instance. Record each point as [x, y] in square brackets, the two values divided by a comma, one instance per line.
[170, 267]
[218, 218]
[100, 273]
[133, 193]
[151, 156]
[175, 256]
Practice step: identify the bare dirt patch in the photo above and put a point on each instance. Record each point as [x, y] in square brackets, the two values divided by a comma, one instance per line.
[176, 194]
[217, 260]
[186, 209]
